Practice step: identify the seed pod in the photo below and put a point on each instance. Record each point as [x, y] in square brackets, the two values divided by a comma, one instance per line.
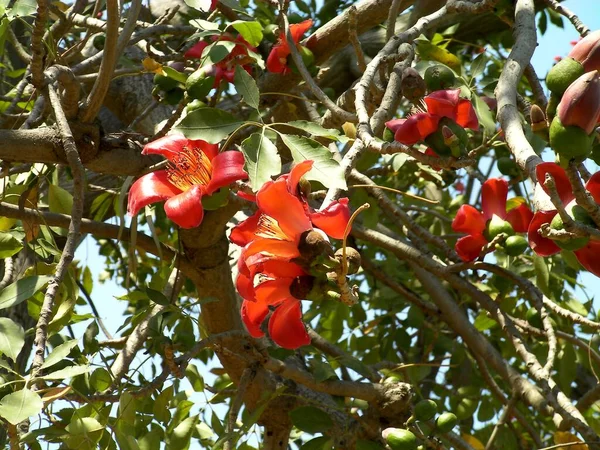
[580, 104]
[413, 86]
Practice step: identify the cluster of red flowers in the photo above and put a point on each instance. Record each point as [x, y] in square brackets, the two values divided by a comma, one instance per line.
[444, 103]
[277, 62]
[271, 265]
[475, 223]
[587, 255]
[225, 69]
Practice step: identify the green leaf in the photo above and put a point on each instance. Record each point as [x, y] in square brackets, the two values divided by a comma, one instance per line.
[478, 65]
[217, 52]
[200, 5]
[542, 274]
[59, 353]
[483, 322]
[59, 200]
[100, 379]
[543, 22]
[484, 114]
[12, 338]
[262, 159]
[21, 290]
[9, 245]
[209, 124]
[431, 52]
[84, 433]
[325, 169]
[250, 31]
[20, 405]
[67, 372]
[194, 377]
[182, 434]
[311, 419]
[246, 86]
[322, 370]
[317, 130]
[157, 297]
[22, 8]
[174, 74]
[318, 443]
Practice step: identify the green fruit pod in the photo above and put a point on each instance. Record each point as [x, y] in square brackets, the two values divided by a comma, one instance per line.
[425, 410]
[563, 74]
[399, 439]
[445, 422]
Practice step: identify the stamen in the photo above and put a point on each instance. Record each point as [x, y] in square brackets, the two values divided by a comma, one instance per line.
[190, 167]
[269, 228]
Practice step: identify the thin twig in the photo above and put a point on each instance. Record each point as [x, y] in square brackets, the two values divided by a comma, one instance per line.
[572, 17]
[353, 38]
[95, 99]
[77, 171]
[314, 88]
[37, 45]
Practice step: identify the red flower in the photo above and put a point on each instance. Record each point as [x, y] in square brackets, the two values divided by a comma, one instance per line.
[474, 222]
[445, 103]
[196, 169]
[588, 255]
[225, 69]
[277, 60]
[285, 324]
[270, 239]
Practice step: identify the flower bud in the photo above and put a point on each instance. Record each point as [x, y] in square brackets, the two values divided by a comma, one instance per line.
[563, 74]
[538, 118]
[352, 257]
[413, 86]
[587, 51]
[580, 104]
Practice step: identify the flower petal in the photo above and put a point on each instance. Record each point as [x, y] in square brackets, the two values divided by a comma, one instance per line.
[245, 231]
[469, 247]
[333, 219]
[443, 103]
[227, 167]
[169, 146]
[277, 202]
[493, 198]
[273, 292]
[277, 59]
[245, 287]
[416, 128]
[593, 186]
[588, 257]
[563, 186]
[468, 220]
[520, 218]
[297, 172]
[465, 115]
[195, 52]
[151, 188]
[185, 209]
[284, 269]
[540, 245]
[286, 327]
[297, 30]
[284, 250]
[253, 314]
[394, 124]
